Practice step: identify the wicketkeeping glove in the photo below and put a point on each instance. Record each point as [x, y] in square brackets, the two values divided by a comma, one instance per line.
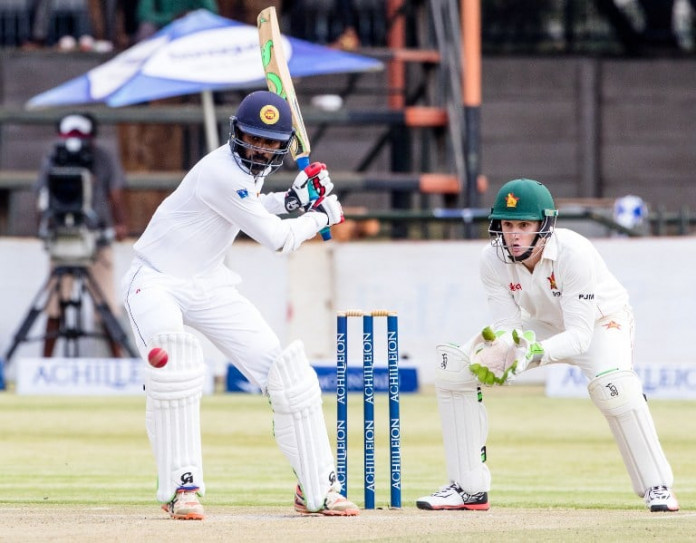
[528, 349]
[310, 184]
[498, 356]
[331, 207]
[490, 361]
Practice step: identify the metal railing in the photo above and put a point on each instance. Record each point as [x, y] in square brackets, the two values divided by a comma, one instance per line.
[422, 223]
[658, 223]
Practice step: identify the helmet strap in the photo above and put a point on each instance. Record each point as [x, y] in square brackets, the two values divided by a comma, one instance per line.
[524, 256]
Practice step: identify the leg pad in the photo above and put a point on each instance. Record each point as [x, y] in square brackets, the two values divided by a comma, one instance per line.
[464, 420]
[173, 413]
[299, 426]
[619, 396]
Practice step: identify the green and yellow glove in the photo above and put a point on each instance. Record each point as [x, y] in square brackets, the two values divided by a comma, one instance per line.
[528, 350]
[497, 356]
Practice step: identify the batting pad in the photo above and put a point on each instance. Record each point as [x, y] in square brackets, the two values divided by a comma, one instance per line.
[619, 396]
[173, 413]
[298, 423]
[464, 420]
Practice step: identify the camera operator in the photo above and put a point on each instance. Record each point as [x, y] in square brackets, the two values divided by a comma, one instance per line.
[77, 151]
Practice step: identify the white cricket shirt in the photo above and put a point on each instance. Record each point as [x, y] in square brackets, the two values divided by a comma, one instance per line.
[194, 227]
[570, 289]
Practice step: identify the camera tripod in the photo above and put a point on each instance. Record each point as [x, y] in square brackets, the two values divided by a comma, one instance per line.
[71, 316]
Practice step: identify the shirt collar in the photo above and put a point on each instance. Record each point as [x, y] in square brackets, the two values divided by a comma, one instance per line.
[551, 248]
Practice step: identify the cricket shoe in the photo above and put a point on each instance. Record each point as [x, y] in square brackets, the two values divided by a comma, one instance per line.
[660, 498]
[335, 505]
[453, 497]
[185, 505]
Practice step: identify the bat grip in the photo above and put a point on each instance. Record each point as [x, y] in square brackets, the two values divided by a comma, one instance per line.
[302, 162]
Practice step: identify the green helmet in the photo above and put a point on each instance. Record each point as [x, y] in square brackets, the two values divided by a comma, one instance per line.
[523, 200]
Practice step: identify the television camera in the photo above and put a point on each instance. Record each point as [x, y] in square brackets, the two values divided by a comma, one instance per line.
[69, 226]
[72, 233]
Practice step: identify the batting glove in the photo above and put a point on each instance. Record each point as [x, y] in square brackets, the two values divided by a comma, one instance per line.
[331, 207]
[310, 184]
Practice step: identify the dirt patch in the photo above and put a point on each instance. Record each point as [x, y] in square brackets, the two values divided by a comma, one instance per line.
[256, 524]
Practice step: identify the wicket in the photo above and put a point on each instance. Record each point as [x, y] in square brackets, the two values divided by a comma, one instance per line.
[368, 404]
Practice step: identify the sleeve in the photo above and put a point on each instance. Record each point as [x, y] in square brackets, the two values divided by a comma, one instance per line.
[578, 306]
[113, 173]
[237, 202]
[274, 202]
[503, 307]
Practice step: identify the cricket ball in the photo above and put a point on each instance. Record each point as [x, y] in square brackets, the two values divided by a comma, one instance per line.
[157, 357]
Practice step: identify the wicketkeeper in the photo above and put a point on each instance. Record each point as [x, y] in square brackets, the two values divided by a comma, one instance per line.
[179, 280]
[552, 300]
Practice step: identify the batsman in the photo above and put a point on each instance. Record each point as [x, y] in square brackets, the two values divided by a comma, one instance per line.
[179, 281]
[552, 300]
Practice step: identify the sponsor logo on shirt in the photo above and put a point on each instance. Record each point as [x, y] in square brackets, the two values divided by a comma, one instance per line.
[515, 287]
[243, 193]
[585, 296]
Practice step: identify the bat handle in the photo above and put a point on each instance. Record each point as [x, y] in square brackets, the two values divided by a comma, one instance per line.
[302, 163]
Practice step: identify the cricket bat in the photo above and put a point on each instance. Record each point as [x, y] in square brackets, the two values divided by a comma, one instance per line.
[279, 81]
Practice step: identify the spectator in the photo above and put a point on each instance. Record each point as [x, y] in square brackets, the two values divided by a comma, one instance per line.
[246, 11]
[129, 9]
[154, 14]
[348, 40]
[61, 21]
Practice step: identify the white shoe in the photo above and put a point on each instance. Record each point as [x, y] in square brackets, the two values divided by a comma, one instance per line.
[453, 497]
[185, 505]
[660, 498]
[335, 505]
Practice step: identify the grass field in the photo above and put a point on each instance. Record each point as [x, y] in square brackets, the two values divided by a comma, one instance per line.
[80, 469]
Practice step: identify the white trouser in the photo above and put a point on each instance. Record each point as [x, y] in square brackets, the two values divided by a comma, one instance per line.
[611, 346]
[211, 304]
[158, 305]
[617, 392]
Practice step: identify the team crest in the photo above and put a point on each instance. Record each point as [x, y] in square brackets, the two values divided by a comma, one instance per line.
[612, 324]
[242, 193]
[511, 200]
[552, 281]
[269, 114]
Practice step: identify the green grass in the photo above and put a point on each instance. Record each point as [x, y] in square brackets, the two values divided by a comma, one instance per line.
[542, 452]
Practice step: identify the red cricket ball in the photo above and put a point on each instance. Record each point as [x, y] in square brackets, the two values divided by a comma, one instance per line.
[157, 357]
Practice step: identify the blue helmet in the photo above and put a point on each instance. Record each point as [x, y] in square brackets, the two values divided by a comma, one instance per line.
[266, 115]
